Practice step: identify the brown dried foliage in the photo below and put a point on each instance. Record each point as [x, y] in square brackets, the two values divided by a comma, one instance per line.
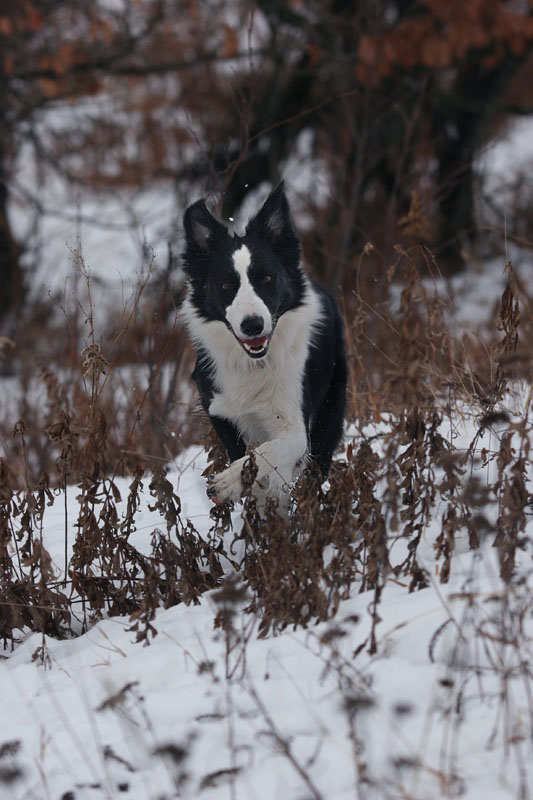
[384, 491]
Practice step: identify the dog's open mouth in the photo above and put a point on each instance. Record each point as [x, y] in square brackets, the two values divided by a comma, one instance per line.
[256, 348]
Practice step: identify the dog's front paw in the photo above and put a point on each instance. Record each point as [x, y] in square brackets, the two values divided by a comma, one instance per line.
[227, 485]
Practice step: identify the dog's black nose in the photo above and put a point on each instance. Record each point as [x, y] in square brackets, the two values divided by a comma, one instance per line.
[252, 325]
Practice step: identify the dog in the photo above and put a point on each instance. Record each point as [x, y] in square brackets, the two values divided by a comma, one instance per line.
[271, 361]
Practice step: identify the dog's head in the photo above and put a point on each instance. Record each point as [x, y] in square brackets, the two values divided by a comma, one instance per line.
[247, 282]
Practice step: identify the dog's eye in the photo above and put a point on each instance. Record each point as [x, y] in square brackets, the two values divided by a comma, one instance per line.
[267, 278]
[225, 286]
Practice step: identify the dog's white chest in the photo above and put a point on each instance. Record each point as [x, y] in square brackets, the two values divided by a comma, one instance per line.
[261, 402]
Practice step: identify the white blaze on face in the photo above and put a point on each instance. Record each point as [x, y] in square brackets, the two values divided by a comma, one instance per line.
[246, 302]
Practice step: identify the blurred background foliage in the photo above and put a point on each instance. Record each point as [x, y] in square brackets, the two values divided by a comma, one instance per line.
[390, 101]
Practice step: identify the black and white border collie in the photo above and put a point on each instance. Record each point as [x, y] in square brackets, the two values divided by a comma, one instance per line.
[271, 368]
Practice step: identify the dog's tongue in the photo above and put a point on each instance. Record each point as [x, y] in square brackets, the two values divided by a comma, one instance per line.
[259, 342]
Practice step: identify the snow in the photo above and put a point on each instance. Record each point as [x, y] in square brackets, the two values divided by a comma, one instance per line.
[443, 708]
[118, 232]
[508, 157]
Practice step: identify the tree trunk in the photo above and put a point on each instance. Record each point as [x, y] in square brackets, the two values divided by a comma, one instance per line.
[11, 283]
[461, 127]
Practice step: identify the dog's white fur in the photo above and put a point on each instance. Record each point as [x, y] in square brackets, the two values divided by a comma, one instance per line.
[246, 302]
[261, 397]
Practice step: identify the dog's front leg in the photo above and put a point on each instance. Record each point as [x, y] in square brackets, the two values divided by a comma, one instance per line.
[275, 460]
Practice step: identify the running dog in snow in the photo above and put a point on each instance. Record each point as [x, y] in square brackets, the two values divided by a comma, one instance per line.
[271, 368]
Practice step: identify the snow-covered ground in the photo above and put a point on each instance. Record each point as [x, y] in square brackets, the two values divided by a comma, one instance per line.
[444, 708]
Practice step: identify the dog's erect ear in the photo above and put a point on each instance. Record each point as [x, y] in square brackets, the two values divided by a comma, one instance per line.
[201, 227]
[273, 223]
[274, 219]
